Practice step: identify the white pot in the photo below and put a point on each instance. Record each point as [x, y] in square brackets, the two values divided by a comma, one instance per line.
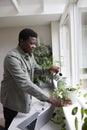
[71, 93]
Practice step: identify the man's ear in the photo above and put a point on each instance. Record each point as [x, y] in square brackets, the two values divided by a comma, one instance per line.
[21, 41]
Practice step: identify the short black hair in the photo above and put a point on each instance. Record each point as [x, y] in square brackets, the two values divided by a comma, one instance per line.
[26, 33]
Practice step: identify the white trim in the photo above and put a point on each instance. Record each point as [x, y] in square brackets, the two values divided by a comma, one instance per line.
[75, 33]
[15, 3]
[55, 42]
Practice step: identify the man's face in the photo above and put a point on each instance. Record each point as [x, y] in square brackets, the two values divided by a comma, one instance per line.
[30, 45]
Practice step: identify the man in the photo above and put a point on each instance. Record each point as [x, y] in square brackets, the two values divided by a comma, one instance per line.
[17, 86]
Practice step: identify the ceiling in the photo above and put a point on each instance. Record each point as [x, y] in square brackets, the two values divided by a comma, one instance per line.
[30, 12]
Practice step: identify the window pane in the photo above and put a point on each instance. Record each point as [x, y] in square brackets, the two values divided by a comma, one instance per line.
[83, 60]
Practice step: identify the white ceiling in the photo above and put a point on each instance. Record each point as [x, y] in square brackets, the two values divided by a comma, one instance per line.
[30, 12]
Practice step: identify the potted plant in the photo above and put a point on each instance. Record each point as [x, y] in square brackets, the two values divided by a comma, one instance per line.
[66, 89]
[71, 94]
[58, 116]
[63, 92]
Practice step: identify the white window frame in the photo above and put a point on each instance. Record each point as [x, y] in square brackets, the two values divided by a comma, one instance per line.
[73, 14]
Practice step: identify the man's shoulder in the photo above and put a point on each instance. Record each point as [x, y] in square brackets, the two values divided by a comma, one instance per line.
[13, 53]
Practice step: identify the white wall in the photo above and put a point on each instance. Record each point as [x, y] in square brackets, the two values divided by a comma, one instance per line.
[9, 39]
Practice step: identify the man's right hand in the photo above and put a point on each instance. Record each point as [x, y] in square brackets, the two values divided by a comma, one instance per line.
[58, 103]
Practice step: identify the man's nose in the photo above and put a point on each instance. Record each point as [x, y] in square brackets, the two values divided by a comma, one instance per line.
[34, 46]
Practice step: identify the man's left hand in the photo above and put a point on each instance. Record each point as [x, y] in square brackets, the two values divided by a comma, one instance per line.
[54, 69]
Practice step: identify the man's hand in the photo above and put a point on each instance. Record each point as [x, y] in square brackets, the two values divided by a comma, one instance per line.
[54, 69]
[58, 103]
[54, 102]
[66, 102]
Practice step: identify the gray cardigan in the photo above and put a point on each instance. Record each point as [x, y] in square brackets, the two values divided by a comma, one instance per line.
[17, 84]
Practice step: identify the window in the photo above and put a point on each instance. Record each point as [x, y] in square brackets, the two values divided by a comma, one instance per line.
[83, 49]
[65, 49]
[69, 44]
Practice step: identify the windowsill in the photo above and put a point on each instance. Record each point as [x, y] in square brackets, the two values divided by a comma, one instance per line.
[81, 100]
[70, 118]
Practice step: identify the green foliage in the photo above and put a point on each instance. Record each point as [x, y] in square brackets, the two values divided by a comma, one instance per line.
[61, 95]
[43, 56]
[82, 112]
[85, 95]
[79, 87]
[84, 127]
[74, 110]
[76, 123]
[85, 111]
[58, 118]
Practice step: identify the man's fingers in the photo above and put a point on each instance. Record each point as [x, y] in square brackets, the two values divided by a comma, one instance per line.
[67, 102]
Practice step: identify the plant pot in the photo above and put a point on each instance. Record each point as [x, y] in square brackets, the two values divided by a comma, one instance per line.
[71, 93]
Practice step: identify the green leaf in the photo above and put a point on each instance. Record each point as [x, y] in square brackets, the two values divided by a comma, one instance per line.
[74, 110]
[63, 128]
[84, 127]
[57, 111]
[77, 84]
[82, 112]
[85, 111]
[85, 95]
[85, 120]
[63, 125]
[56, 121]
[81, 82]
[76, 123]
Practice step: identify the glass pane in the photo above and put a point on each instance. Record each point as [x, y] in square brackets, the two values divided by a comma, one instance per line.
[65, 50]
[83, 61]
